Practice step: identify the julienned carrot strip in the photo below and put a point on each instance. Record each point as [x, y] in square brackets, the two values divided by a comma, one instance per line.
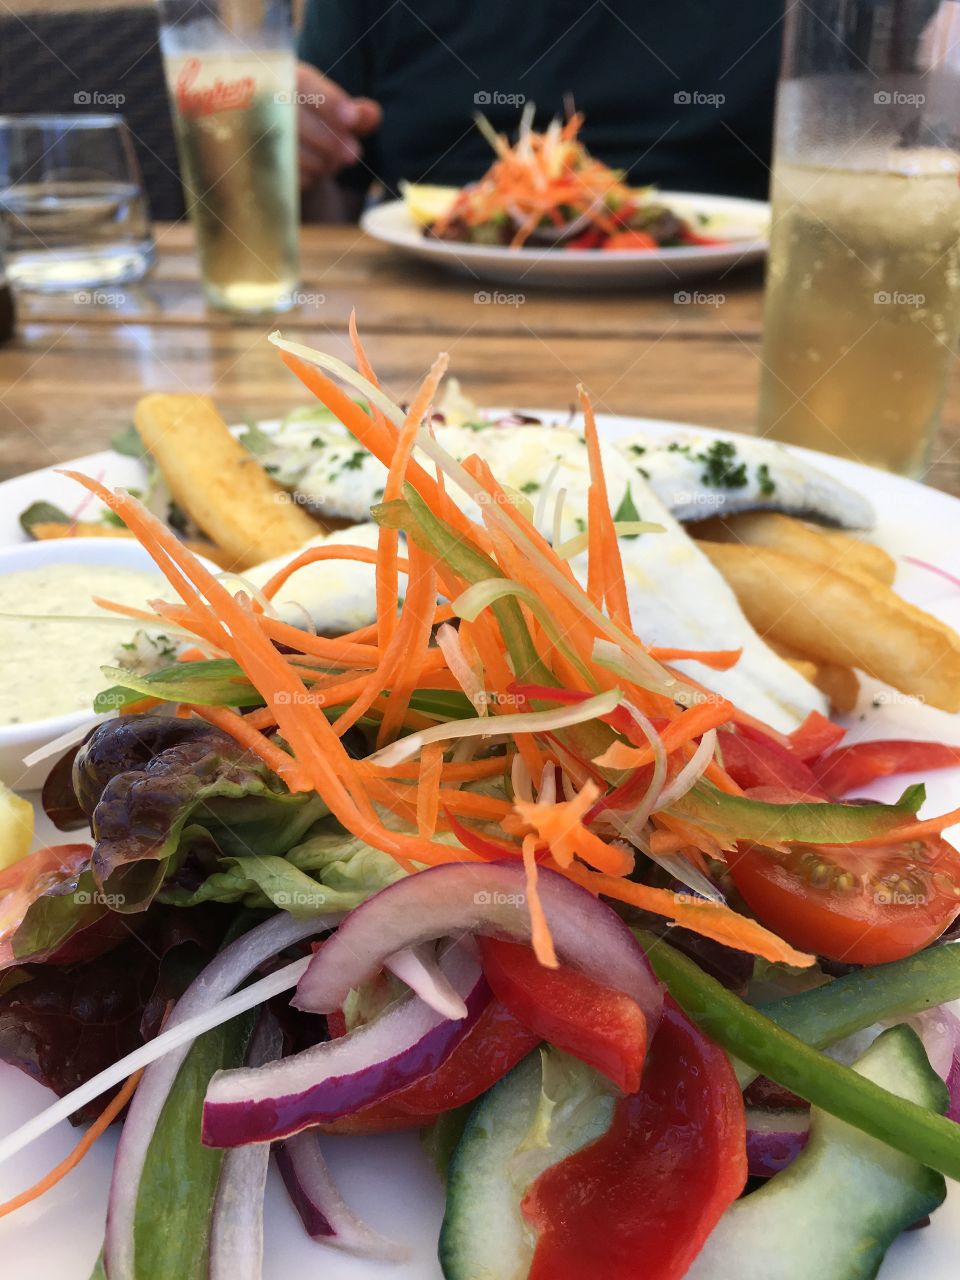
[721, 779]
[607, 544]
[99, 1126]
[560, 826]
[334, 650]
[693, 836]
[690, 724]
[387, 587]
[241, 730]
[314, 555]
[539, 928]
[453, 771]
[913, 830]
[141, 705]
[428, 790]
[372, 436]
[712, 920]
[422, 597]
[715, 659]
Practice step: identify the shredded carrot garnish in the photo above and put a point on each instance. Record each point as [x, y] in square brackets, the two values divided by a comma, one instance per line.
[604, 547]
[715, 659]
[99, 1127]
[560, 827]
[539, 929]
[691, 724]
[428, 792]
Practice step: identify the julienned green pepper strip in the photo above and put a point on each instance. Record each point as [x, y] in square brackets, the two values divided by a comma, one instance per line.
[921, 1134]
[740, 818]
[827, 1014]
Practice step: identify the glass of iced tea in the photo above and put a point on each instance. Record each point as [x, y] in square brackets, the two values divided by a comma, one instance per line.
[231, 71]
[863, 284]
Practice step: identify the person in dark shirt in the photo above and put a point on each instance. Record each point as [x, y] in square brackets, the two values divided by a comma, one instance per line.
[676, 92]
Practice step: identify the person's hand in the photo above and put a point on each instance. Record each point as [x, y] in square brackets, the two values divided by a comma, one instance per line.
[330, 125]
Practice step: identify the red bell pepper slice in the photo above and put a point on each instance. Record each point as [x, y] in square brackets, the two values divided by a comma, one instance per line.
[591, 239]
[602, 1027]
[752, 759]
[641, 1200]
[854, 766]
[816, 735]
[493, 1046]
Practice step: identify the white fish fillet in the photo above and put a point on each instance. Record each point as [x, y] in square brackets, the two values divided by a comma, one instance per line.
[676, 597]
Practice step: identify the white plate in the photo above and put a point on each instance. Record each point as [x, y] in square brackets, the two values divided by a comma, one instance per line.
[588, 268]
[387, 1179]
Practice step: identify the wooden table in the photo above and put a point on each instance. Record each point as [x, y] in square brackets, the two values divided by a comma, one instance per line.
[72, 374]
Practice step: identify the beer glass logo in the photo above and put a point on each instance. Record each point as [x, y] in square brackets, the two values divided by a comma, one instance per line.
[219, 95]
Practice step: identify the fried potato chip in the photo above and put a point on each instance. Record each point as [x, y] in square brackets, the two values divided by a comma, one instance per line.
[219, 484]
[850, 620]
[797, 537]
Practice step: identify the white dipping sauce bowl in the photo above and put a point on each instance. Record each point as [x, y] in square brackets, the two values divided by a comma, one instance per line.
[19, 740]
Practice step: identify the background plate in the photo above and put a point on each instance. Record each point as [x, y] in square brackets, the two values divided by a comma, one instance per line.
[586, 268]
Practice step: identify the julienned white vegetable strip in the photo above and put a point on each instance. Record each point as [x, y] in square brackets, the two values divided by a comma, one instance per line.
[174, 1038]
[488, 726]
[622, 528]
[610, 655]
[691, 772]
[342, 370]
[205, 996]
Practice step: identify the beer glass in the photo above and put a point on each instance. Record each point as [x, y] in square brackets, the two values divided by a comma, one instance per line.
[231, 70]
[863, 284]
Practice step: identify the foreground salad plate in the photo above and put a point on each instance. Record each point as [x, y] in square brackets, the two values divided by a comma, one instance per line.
[388, 1179]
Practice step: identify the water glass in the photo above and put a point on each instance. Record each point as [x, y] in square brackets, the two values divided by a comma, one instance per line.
[72, 205]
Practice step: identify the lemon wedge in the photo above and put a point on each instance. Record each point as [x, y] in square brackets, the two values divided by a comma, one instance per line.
[16, 827]
[426, 203]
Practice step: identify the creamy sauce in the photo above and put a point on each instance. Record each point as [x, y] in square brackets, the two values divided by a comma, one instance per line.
[50, 666]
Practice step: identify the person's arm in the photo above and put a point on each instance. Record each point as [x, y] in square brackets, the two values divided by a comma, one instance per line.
[334, 112]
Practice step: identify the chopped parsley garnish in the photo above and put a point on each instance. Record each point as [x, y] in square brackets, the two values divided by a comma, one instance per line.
[627, 511]
[676, 447]
[580, 523]
[721, 468]
[638, 449]
[318, 442]
[530, 487]
[767, 484]
[378, 493]
[355, 461]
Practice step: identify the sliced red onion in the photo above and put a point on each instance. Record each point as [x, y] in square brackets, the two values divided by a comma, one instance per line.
[224, 974]
[419, 968]
[458, 898]
[236, 1225]
[326, 1216]
[774, 1139]
[939, 1029]
[340, 1076]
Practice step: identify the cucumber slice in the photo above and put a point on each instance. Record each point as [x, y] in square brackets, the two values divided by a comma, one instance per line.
[835, 1211]
[548, 1107]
